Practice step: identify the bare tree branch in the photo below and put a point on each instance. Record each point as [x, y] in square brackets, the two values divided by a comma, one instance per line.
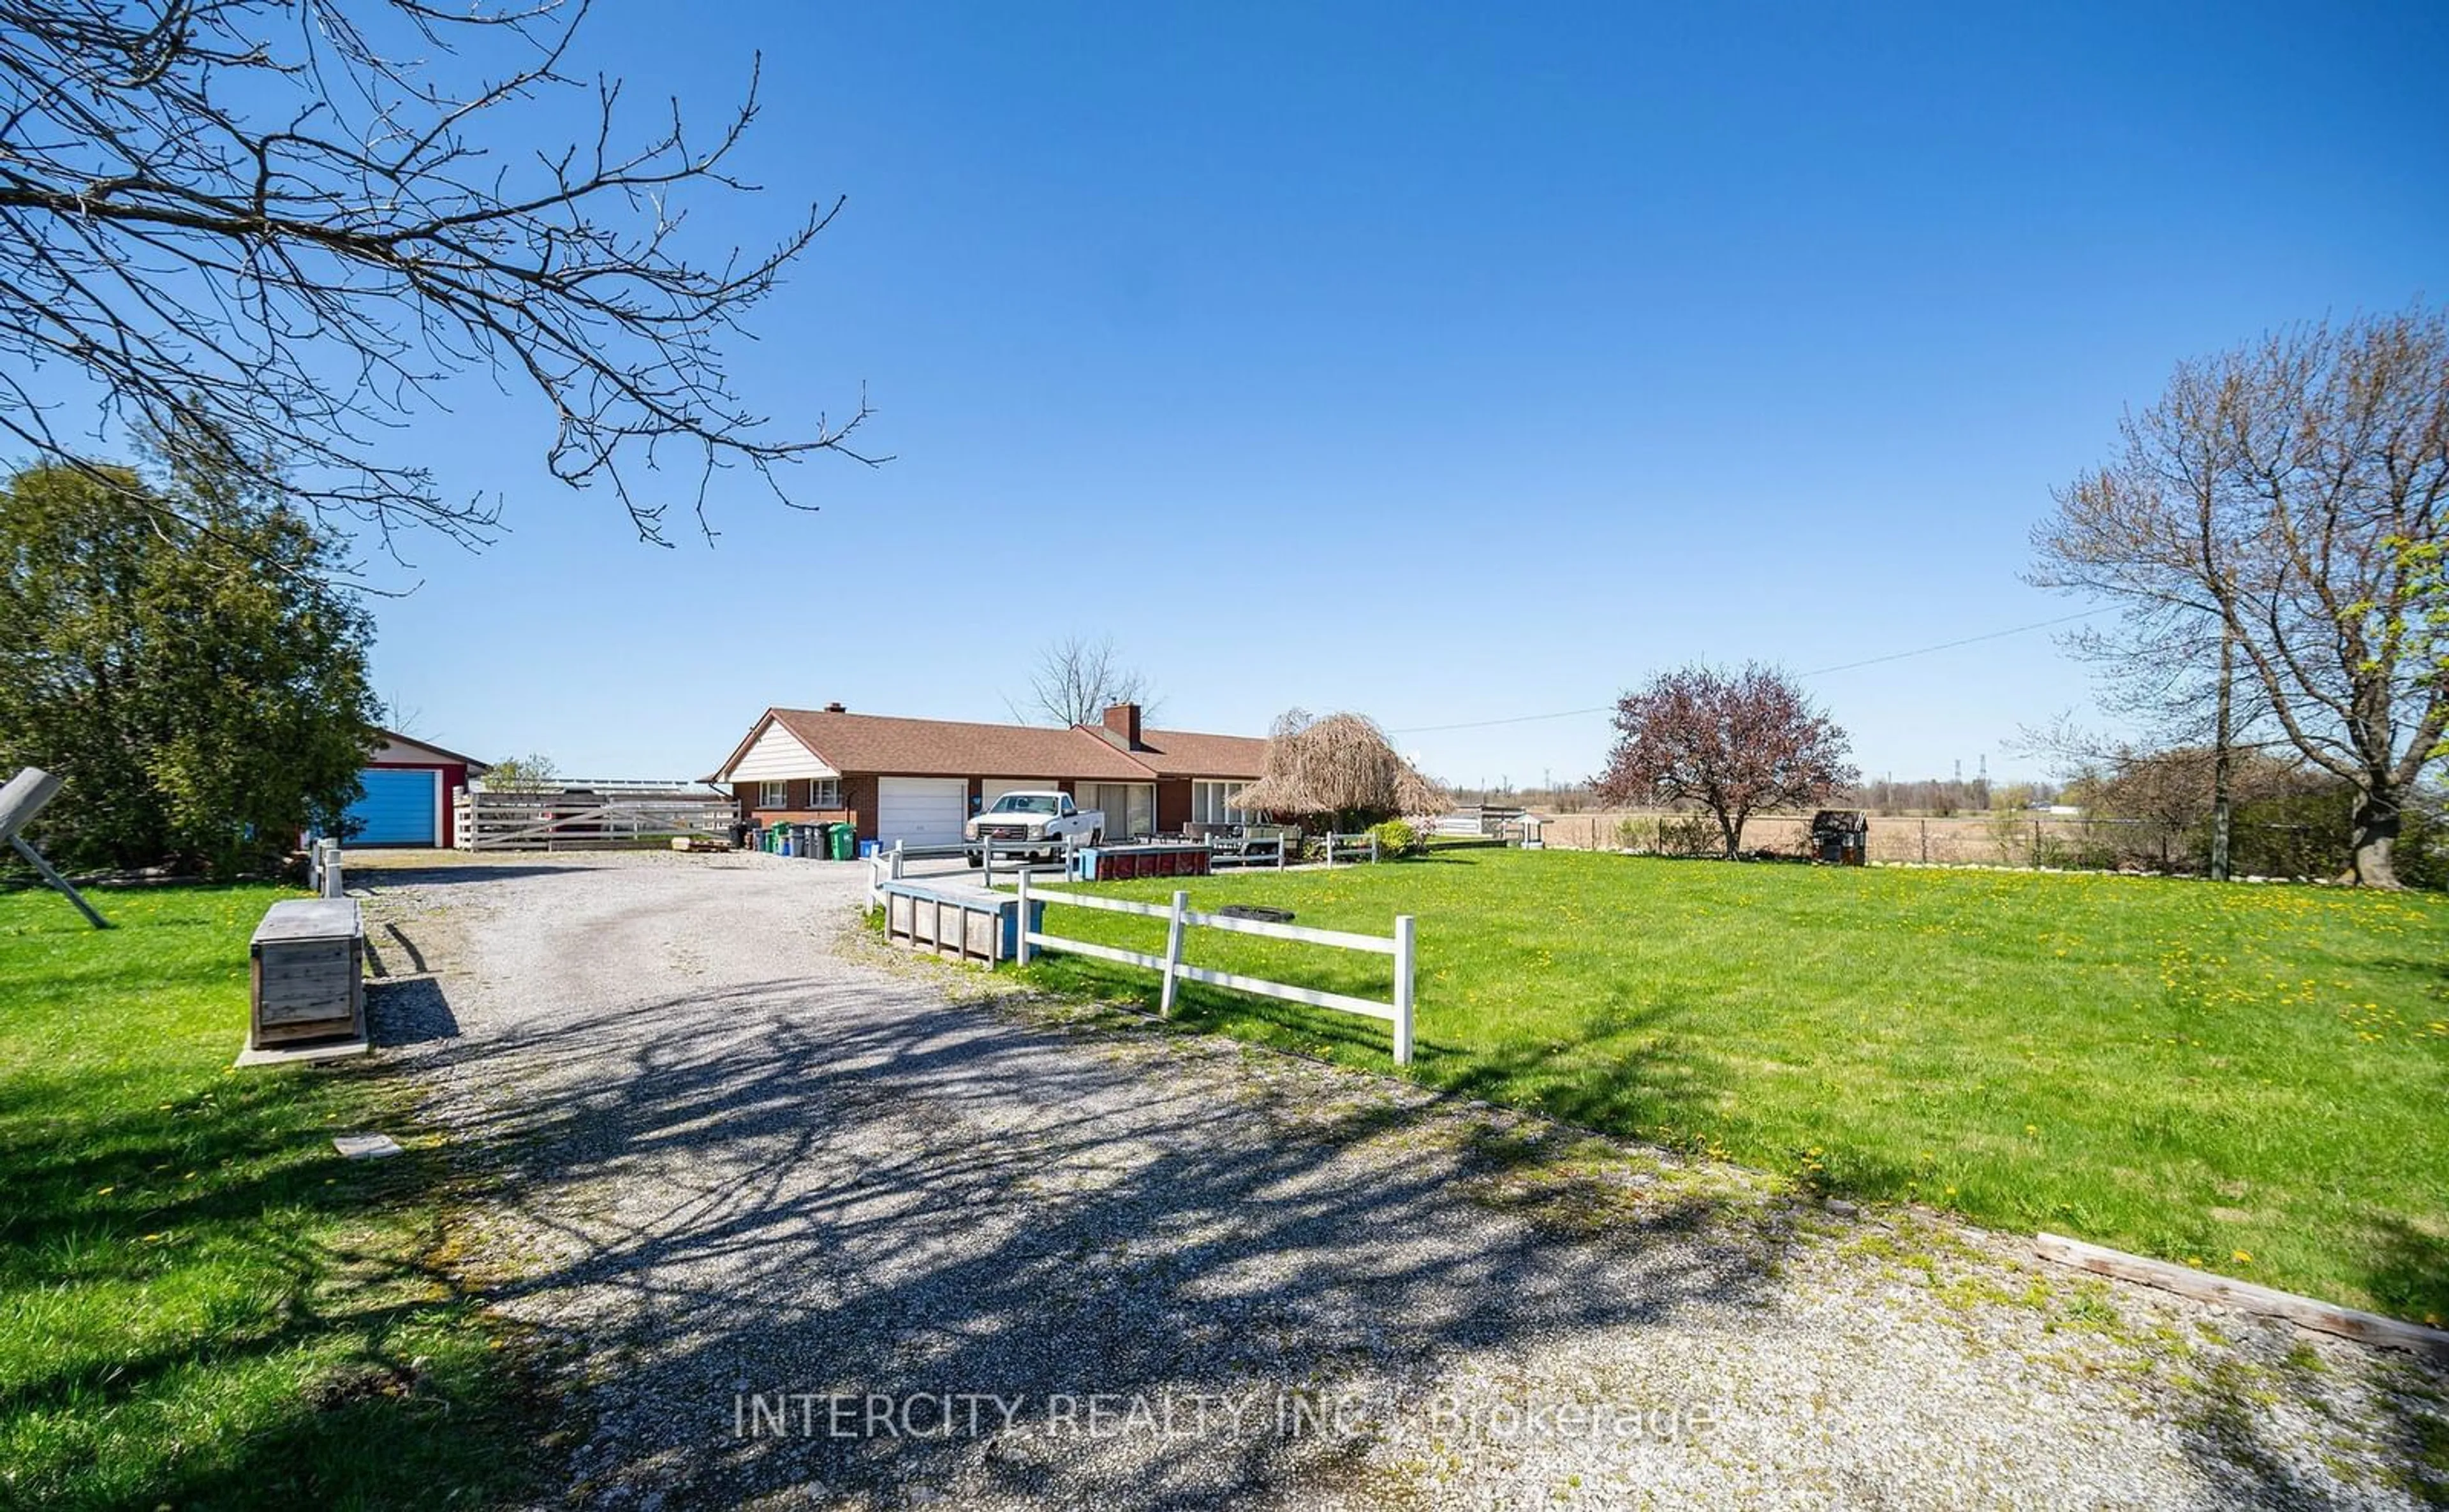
[1077, 680]
[2283, 497]
[289, 223]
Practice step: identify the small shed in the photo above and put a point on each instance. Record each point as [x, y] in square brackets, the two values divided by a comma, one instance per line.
[409, 787]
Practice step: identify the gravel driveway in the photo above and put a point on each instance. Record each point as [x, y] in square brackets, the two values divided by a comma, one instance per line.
[822, 1233]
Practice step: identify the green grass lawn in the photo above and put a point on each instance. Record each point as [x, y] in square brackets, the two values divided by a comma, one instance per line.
[201, 1304]
[2250, 1079]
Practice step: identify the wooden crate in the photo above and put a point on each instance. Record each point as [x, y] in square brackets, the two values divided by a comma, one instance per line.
[307, 973]
[953, 919]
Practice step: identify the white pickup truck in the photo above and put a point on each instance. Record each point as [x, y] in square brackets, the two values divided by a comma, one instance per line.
[1034, 816]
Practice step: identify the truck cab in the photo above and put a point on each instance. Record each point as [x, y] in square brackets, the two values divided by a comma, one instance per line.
[1034, 815]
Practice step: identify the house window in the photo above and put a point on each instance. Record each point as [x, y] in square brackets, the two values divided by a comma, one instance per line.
[773, 794]
[825, 792]
[1212, 803]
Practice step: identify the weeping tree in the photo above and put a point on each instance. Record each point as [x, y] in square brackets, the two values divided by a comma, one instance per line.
[2269, 531]
[290, 225]
[1340, 770]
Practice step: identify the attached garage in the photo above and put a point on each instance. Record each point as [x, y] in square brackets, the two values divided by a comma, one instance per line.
[921, 811]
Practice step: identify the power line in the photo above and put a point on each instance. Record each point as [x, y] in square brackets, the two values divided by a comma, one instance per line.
[1949, 645]
[1815, 672]
[1482, 724]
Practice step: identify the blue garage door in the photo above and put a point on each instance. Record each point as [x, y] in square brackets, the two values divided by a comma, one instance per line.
[397, 808]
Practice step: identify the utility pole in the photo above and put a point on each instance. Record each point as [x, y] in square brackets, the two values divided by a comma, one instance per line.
[2222, 733]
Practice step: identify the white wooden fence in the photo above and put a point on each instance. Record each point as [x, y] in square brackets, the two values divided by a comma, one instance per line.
[1180, 920]
[1361, 846]
[578, 818]
[1009, 857]
[1486, 821]
[323, 867]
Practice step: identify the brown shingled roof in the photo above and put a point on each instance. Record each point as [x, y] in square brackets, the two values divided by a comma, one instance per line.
[1186, 754]
[873, 743]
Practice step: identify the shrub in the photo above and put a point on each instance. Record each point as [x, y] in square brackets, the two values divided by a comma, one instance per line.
[1395, 837]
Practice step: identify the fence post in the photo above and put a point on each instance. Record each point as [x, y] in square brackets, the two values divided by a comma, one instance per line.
[1403, 989]
[986, 858]
[1662, 834]
[1372, 848]
[2036, 843]
[1925, 842]
[1020, 945]
[332, 885]
[1172, 954]
[897, 861]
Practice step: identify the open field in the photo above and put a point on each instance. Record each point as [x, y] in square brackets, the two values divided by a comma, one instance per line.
[2246, 1078]
[2008, 838]
[201, 1303]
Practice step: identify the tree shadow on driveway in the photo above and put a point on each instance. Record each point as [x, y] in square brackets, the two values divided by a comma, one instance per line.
[790, 1191]
[854, 1188]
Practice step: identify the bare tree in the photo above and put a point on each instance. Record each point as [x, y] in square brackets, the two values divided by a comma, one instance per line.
[286, 225]
[2272, 512]
[1077, 680]
[1733, 743]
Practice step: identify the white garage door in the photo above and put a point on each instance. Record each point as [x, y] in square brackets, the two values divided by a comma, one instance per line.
[921, 811]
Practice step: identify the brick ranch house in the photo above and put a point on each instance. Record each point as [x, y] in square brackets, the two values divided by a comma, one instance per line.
[916, 780]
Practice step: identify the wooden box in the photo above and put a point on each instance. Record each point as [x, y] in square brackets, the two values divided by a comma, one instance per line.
[954, 920]
[307, 973]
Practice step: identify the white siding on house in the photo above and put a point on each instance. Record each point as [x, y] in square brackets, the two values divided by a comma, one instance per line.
[779, 754]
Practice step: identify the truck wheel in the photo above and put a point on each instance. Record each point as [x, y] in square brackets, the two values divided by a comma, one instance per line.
[976, 858]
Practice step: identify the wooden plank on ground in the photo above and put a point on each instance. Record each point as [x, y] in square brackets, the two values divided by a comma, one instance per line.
[2322, 1317]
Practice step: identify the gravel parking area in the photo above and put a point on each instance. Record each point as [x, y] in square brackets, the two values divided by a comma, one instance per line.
[825, 1226]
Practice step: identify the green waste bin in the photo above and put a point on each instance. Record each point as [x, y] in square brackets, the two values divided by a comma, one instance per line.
[845, 842]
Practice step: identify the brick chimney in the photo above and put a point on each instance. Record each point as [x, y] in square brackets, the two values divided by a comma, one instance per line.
[1123, 724]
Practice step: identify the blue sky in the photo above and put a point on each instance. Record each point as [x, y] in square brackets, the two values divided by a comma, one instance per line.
[1443, 363]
